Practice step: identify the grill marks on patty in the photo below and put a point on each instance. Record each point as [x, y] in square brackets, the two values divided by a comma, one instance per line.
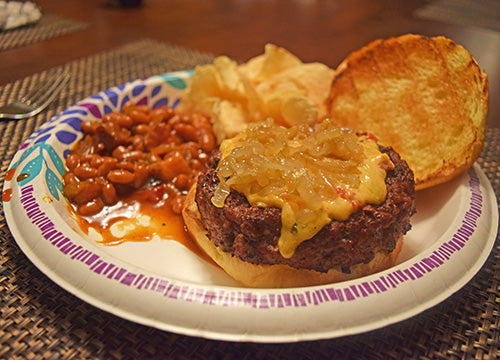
[251, 233]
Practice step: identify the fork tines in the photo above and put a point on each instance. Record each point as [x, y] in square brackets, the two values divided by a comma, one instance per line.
[44, 93]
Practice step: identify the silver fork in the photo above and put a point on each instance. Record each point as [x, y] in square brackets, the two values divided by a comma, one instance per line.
[37, 99]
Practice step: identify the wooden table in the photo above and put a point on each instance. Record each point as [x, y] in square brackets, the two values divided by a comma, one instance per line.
[314, 30]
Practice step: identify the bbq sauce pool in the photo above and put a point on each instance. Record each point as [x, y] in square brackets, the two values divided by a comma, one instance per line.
[133, 219]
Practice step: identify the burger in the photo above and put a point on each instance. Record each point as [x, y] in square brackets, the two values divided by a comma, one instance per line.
[301, 206]
[309, 205]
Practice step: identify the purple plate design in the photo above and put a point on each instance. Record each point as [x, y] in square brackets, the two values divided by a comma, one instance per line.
[298, 298]
[174, 290]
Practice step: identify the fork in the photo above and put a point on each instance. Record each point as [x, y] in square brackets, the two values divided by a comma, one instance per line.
[37, 99]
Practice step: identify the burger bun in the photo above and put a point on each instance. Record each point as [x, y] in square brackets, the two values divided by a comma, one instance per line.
[279, 275]
[425, 97]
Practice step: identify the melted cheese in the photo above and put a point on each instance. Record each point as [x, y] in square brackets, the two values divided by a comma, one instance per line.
[312, 175]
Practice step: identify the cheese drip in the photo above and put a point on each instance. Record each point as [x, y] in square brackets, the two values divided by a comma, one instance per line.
[313, 175]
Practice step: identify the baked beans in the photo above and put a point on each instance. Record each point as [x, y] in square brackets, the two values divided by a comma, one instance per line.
[154, 154]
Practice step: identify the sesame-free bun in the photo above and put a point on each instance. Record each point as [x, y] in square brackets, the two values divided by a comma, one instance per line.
[275, 276]
[425, 97]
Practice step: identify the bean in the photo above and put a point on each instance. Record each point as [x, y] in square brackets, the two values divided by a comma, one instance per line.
[107, 118]
[124, 120]
[133, 155]
[125, 165]
[86, 158]
[107, 165]
[71, 189]
[161, 114]
[87, 191]
[170, 111]
[175, 119]
[69, 178]
[152, 157]
[85, 171]
[196, 164]
[186, 118]
[192, 149]
[141, 176]
[118, 118]
[182, 181]
[120, 176]
[129, 148]
[173, 139]
[162, 149]
[72, 161]
[139, 117]
[199, 120]
[88, 127]
[96, 161]
[123, 136]
[178, 204]
[187, 132]
[142, 128]
[119, 152]
[128, 106]
[138, 142]
[91, 208]
[108, 195]
[207, 140]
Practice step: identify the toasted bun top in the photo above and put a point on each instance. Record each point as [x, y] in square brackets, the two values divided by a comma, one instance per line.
[425, 97]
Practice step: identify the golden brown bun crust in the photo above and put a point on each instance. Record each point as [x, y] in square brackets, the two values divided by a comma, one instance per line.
[425, 97]
[274, 276]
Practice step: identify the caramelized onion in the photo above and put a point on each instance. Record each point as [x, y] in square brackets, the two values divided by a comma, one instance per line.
[313, 175]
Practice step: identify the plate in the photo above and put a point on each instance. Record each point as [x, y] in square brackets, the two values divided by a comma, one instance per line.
[162, 284]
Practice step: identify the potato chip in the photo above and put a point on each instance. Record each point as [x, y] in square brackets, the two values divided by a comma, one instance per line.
[299, 109]
[273, 85]
[274, 61]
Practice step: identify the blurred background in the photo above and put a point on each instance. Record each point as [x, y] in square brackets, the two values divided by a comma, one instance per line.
[314, 30]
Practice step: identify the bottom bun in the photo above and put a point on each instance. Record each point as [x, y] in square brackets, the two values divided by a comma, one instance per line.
[275, 276]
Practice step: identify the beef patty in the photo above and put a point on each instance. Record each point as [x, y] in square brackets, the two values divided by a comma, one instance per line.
[251, 232]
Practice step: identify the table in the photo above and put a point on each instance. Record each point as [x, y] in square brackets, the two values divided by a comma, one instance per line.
[314, 30]
[41, 320]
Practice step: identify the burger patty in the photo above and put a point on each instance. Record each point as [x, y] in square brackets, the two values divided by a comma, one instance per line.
[251, 232]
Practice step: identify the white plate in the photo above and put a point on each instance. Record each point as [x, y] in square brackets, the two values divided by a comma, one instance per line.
[164, 285]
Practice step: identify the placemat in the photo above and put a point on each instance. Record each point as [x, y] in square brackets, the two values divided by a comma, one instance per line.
[479, 13]
[40, 320]
[48, 27]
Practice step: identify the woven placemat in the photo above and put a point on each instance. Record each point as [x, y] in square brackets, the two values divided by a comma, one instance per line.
[40, 320]
[48, 27]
